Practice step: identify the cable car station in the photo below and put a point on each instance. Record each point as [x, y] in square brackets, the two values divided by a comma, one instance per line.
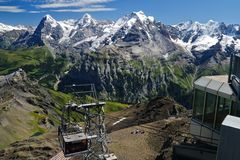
[215, 122]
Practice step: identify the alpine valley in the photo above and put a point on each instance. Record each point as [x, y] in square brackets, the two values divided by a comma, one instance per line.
[130, 60]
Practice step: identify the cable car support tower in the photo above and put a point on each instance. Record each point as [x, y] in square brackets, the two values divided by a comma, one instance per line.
[88, 139]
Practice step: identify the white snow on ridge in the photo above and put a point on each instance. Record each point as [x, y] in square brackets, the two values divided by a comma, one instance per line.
[236, 27]
[209, 28]
[67, 27]
[85, 40]
[226, 41]
[229, 40]
[125, 22]
[142, 17]
[131, 22]
[87, 20]
[237, 44]
[151, 18]
[51, 20]
[49, 36]
[204, 42]
[111, 31]
[183, 25]
[4, 27]
[207, 34]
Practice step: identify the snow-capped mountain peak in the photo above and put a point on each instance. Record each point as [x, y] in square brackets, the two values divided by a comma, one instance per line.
[87, 17]
[142, 17]
[212, 22]
[50, 20]
[87, 20]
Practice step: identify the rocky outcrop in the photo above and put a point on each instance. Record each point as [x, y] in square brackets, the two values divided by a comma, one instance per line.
[26, 109]
[134, 80]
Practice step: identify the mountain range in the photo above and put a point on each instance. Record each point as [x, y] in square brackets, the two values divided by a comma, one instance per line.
[133, 58]
[135, 33]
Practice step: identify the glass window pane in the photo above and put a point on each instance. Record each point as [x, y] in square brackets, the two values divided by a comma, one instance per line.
[224, 106]
[198, 104]
[209, 110]
[236, 61]
[235, 109]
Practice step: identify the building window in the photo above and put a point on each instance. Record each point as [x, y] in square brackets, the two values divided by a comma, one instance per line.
[198, 104]
[236, 65]
[235, 109]
[210, 110]
[223, 109]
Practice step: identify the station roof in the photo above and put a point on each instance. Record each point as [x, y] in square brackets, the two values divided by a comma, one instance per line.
[232, 121]
[217, 85]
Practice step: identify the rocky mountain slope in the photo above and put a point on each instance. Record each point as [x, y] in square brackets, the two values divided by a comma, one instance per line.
[148, 131]
[26, 109]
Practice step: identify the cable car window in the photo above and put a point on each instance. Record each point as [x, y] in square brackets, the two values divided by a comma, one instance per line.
[210, 109]
[198, 104]
[236, 65]
[223, 109]
[235, 109]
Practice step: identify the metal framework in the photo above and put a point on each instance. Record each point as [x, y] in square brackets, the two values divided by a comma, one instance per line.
[93, 117]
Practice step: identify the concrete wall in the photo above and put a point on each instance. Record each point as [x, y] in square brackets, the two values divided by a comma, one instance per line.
[229, 144]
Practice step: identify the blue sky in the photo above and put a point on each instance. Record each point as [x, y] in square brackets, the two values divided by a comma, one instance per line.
[30, 12]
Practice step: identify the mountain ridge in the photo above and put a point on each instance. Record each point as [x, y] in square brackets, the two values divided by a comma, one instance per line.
[133, 30]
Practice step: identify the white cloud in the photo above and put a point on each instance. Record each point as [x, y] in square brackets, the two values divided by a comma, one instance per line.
[70, 3]
[36, 11]
[97, 6]
[13, 9]
[85, 10]
[59, 6]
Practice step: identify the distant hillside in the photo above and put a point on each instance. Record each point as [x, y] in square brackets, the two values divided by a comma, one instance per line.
[38, 63]
[27, 109]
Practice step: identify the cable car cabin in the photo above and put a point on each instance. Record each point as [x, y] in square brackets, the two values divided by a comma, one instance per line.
[72, 139]
[72, 143]
[213, 100]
